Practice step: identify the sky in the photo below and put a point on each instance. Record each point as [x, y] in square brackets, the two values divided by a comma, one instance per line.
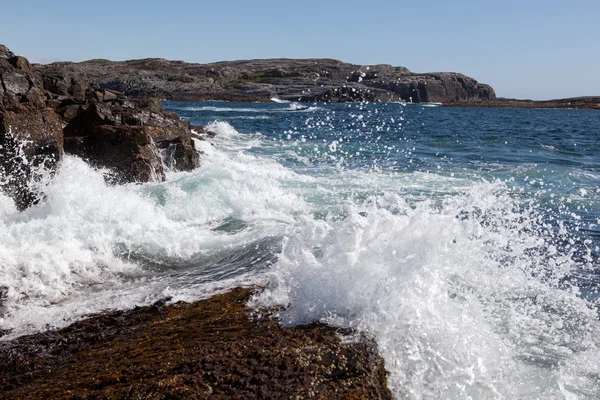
[524, 49]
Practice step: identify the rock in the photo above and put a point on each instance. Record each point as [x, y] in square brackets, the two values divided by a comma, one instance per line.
[212, 349]
[5, 52]
[43, 111]
[30, 140]
[586, 103]
[128, 151]
[289, 79]
[98, 126]
[21, 83]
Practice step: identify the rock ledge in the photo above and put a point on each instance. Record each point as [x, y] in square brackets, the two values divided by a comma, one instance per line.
[214, 349]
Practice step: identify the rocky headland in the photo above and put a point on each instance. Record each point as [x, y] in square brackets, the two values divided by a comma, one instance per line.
[303, 80]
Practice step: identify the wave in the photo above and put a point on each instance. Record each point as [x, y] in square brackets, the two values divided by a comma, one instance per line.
[89, 246]
[465, 286]
[465, 298]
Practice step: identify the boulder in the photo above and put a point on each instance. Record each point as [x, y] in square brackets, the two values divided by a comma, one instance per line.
[109, 132]
[20, 82]
[5, 52]
[128, 151]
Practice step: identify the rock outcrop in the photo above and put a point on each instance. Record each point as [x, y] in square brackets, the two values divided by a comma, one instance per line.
[586, 103]
[46, 113]
[31, 139]
[255, 80]
[212, 349]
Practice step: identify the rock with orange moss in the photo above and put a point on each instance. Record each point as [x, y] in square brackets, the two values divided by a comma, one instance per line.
[212, 349]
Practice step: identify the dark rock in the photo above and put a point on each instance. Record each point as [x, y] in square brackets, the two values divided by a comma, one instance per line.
[20, 82]
[587, 103]
[20, 63]
[212, 349]
[129, 151]
[5, 52]
[30, 140]
[180, 154]
[99, 123]
[297, 80]
[41, 107]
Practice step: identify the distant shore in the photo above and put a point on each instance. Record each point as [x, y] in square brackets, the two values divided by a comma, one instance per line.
[587, 103]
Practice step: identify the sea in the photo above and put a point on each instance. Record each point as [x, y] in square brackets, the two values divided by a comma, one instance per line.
[465, 242]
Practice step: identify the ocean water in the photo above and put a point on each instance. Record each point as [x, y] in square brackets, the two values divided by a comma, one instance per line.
[466, 242]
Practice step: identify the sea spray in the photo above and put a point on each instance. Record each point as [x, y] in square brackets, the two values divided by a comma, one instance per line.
[89, 245]
[464, 300]
[451, 236]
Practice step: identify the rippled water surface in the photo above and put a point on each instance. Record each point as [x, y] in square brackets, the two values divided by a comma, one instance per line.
[465, 241]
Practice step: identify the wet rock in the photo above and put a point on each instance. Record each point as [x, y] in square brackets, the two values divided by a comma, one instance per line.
[128, 151]
[105, 131]
[213, 349]
[31, 144]
[41, 107]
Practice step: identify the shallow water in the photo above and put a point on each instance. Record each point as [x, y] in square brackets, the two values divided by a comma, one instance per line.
[465, 241]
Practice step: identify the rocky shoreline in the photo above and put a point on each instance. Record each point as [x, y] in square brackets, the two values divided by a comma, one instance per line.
[303, 80]
[46, 114]
[585, 103]
[217, 348]
[212, 349]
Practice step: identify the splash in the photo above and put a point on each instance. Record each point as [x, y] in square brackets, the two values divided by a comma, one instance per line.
[90, 246]
[466, 298]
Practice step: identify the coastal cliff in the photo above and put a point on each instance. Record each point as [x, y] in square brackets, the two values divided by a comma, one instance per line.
[304, 80]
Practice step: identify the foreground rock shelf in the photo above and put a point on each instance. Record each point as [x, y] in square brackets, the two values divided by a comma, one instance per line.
[216, 348]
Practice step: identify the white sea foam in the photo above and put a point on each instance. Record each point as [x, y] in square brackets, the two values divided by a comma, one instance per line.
[462, 297]
[89, 246]
[225, 109]
[460, 284]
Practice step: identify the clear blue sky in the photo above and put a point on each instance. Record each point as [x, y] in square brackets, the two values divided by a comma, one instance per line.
[537, 49]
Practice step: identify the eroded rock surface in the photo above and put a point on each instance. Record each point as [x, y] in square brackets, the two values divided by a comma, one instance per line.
[212, 349]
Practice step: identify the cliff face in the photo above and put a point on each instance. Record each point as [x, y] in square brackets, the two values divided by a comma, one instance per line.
[289, 79]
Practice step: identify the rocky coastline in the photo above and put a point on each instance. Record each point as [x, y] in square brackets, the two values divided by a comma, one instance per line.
[44, 115]
[585, 103]
[216, 348]
[303, 80]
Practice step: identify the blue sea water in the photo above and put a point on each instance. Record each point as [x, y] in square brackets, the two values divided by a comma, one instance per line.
[465, 241]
